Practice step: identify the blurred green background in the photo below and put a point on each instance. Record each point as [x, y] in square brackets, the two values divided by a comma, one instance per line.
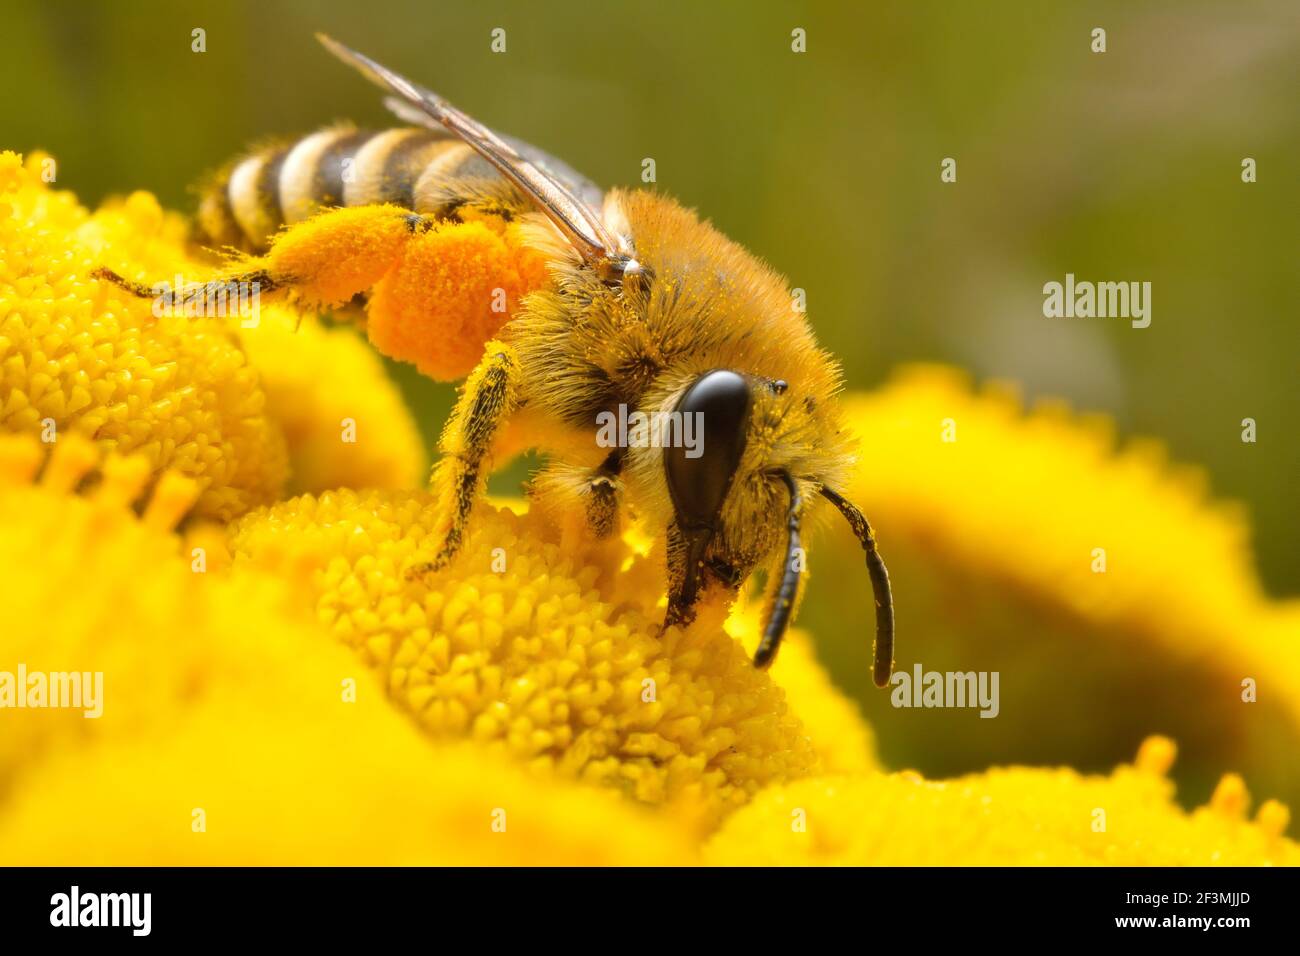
[1121, 166]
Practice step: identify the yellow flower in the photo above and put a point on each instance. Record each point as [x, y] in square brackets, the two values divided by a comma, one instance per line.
[1051, 490]
[343, 417]
[1113, 598]
[89, 587]
[1013, 816]
[315, 787]
[80, 357]
[549, 655]
[226, 733]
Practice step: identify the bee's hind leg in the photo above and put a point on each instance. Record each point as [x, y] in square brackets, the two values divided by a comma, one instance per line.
[323, 262]
[198, 293]
[489, 397]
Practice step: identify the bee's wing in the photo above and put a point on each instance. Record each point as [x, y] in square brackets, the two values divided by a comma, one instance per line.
[587, 192]
[579, 224]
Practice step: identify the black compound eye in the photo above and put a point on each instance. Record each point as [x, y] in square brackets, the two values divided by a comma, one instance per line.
[713, 411]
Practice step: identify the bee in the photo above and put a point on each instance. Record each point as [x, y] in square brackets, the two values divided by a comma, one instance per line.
[648, 313]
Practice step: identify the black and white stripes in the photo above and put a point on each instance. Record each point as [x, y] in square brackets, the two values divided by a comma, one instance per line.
[341, 166]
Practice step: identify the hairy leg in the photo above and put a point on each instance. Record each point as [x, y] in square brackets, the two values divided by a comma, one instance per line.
[489, 397]
[601, 497]
[685, 567]
[323, 261]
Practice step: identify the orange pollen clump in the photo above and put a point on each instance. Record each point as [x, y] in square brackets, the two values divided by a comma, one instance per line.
[456, 285]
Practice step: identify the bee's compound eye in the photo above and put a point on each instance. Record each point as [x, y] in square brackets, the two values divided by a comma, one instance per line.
[713, 413]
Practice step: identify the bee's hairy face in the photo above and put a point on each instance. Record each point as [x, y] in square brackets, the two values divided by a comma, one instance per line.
[786, 433]
[724, 488]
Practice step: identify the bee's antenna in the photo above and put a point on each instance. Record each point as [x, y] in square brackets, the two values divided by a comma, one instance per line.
[884, 653]
[788, 590]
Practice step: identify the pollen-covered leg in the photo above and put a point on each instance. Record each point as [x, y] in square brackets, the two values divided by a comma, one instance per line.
[322, 262]
[602, 505]
[212, 297]
[600, 493]
[332, 256]
[582, 501]
[489, 397]
[685, 567]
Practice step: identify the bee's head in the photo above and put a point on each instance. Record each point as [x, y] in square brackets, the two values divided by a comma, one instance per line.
[764, 448]
[741, 489]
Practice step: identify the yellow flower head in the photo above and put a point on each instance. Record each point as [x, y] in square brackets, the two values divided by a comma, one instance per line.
[231, 730]
[1113, 597]
[1052, 489]
[545, 654]
[343, 418]
[268, 787]
[80, 357]
[89, 587]
[1012, 816]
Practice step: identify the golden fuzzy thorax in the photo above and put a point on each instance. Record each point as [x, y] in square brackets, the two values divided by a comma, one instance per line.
[584, 347]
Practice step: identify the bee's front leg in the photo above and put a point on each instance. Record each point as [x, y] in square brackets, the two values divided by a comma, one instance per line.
[489, 397]
[685, 569]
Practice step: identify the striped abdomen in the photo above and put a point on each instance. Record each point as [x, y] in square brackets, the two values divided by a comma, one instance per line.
[279, 185]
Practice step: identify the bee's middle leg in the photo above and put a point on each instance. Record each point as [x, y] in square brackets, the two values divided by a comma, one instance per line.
[489, 397]
[582, 500]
